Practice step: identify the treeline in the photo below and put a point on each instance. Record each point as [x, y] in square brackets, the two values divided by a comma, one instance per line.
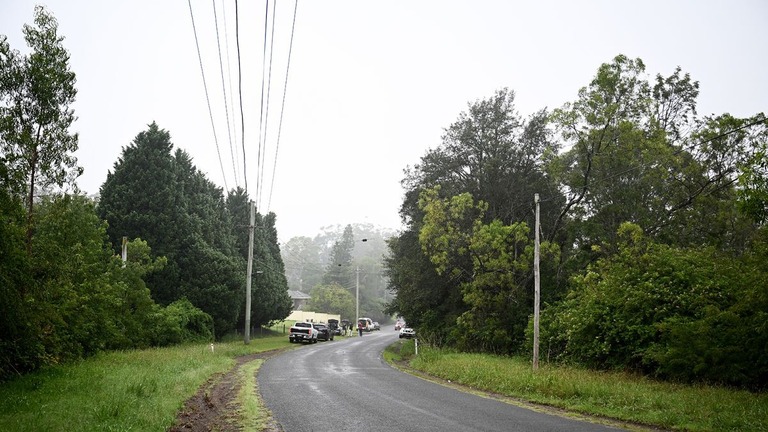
[65, 291]
[336, 265]
[652, 221]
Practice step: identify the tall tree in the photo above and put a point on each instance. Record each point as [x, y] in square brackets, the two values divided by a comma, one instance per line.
[269, 288]
[340, 270]
[36, 92]
[165, 200]
[494, 155]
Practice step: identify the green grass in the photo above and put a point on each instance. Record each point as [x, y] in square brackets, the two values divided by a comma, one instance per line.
[140, 390]
[615, 395]
[252, 416]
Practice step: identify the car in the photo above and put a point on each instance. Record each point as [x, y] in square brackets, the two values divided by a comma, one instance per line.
[376, 325]
[399, 324]
[407, 332]
[366, 323]
[335, 327]
[323, 331]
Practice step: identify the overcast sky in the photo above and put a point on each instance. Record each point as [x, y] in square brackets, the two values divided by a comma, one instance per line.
[372, 84]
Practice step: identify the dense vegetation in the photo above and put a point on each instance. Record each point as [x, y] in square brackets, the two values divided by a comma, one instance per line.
[65, 292]
[653, 222]
[338, 263]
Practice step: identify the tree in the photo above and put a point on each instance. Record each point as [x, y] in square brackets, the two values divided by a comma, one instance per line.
[639, 154]
[491, 153]
[498, 301]
[166, 201]
[303, 268]
[340, 270]
[690, 314]
[269, 293]
[333, 299]
[36, 92]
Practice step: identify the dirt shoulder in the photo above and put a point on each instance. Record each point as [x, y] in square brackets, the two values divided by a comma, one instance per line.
[213, 408]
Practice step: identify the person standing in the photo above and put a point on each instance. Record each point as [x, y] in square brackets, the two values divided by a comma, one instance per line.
[360, 328]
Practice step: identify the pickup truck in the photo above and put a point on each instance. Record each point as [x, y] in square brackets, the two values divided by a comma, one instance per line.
[303, 332]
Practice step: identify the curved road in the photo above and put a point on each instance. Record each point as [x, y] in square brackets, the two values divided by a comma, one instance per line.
[345, 385]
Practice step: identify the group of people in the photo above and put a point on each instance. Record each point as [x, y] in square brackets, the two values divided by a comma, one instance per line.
[360, 328]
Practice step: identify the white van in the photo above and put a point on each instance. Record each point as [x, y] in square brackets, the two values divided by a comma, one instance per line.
[367, 323]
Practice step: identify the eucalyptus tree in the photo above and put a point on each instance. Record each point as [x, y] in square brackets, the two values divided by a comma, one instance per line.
[36, 94]
[638, 153]
[303, 268]
[494, 155]
[340, 269]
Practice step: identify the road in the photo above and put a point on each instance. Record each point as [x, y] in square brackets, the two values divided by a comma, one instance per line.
[345, 385]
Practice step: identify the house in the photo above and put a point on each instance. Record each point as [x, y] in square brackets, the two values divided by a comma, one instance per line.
[299, 299]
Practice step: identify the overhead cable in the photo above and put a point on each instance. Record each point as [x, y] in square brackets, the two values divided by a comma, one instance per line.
[207, 98]
[282, 106]
[240, 92]
[224, 91]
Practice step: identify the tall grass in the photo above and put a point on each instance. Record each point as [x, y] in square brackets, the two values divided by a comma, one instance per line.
[140, 390]
[616, 395]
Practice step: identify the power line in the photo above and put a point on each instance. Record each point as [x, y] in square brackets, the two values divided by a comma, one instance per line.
[282, 107]
[266, 109]
[224, 91]
[240, 91]
[207, 98]
[229, 77]
[261, 113]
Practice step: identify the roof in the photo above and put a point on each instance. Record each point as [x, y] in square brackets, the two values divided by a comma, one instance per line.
[298, 295]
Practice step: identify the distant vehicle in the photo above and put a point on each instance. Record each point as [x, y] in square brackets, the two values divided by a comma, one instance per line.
[407, 332]
[376, 325]
[323, 331]
[367, 323]
[399, 324]
[302, 332]
[333, 324]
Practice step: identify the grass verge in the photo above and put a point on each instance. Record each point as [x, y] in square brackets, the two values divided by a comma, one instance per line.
[619, 396]
[138, 390]
[252, 416]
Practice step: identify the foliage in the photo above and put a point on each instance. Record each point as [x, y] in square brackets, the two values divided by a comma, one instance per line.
[339, 269]
[181, 322]
[502, 256]
[685, 314]
[36, 92]
[333, 299]
[489, 154]
[269, 289]
[20, 349]
[165, 200]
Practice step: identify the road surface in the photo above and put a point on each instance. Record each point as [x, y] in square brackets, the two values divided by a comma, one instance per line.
[345, 385]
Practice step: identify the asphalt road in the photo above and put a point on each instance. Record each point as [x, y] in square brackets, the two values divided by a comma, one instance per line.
[345, 385]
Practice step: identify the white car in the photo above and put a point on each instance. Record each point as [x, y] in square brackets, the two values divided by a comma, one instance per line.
[407, 332]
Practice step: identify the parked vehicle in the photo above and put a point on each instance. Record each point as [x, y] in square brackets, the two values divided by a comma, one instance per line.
[302, 332]
[367, 323]
[376, 325]
[407, 332]
[399, 324]
[323, 331]
[333, 324]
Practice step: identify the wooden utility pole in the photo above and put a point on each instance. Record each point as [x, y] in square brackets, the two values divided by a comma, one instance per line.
[125, 250]
[247, 337]
[537, 290]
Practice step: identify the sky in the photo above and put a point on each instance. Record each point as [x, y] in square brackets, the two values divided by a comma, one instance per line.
[371, 84]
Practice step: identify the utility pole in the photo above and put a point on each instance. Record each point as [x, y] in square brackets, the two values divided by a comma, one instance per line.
[537, 289]
[357, 293]
[247, 337]
[125, 250]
